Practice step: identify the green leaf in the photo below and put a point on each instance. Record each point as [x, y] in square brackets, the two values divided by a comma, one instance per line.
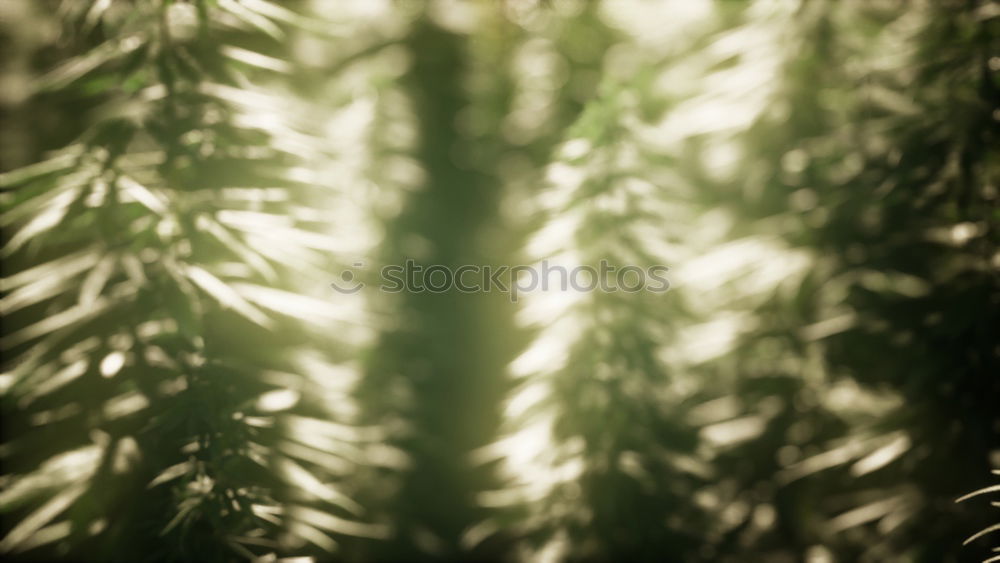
[31, 524]
[225, 295]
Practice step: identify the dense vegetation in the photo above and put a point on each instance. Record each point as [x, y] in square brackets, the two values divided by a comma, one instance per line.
[182, 181]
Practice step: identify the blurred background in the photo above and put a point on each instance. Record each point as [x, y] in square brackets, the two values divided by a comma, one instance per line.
[182, 181]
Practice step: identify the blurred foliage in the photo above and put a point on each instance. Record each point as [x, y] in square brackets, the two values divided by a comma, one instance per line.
[182, 181]
[165, 400]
